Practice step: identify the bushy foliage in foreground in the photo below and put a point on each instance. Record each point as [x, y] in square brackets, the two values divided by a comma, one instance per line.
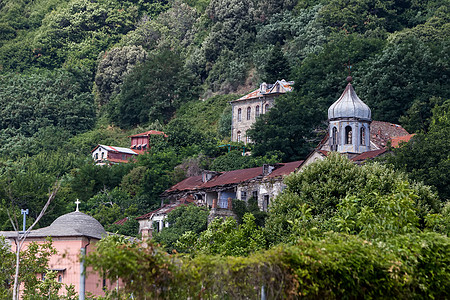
[339, 266]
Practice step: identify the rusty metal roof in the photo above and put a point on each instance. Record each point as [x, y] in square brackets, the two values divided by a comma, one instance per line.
[233, 177]
[285, 169]
[369, 154]
[189, 183]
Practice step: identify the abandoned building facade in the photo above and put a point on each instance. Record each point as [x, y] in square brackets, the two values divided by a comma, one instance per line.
[245, 110]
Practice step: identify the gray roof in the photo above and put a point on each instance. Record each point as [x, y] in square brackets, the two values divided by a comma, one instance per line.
[349, 106]
[74, 224]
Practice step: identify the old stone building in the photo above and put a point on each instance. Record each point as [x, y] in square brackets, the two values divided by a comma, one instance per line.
[248, 108]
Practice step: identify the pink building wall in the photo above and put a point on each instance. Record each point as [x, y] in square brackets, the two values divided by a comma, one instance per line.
[68, 258]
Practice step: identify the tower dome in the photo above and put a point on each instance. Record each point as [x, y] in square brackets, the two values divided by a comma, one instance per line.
[349, 123]
[349, 106]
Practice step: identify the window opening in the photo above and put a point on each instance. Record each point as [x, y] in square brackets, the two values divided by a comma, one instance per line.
[239, 115]
[348, 135]
[334, 139]
[257, 111]
[243, 195]
[249, 113]
[363, 136]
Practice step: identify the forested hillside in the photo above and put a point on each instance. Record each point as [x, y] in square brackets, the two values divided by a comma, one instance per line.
[77, 73]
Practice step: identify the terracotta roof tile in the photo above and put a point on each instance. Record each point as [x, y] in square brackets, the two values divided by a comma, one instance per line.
[396, 141]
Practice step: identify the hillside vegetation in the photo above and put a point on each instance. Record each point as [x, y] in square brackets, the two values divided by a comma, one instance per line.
[77, 73]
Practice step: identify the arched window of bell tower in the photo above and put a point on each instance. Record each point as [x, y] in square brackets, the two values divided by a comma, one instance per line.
[362, 136]
[334, 140]
[348, 134]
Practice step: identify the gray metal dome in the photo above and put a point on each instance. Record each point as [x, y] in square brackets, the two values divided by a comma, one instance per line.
[72, 224]
[349, 106]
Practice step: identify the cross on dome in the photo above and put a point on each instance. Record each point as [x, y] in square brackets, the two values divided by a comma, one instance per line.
[77, 203]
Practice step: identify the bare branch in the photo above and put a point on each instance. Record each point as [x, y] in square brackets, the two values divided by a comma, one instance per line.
[41, 214]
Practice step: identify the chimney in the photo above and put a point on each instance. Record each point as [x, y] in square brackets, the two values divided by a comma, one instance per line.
[263, 88]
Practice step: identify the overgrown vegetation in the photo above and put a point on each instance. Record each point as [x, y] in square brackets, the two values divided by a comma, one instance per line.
[74, 74]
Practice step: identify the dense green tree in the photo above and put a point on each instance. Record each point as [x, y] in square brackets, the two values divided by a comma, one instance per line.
[406, 71]
[361, 16]
[225, 237]
[153, 91]
[426, 157]
[35, 104]
[112, 67]
[287, 128]
[159, 175]
[89, 179]
[181, 220]
[336, 194]
[277, 66]
[6, 268]
[321, 76]
[172, 29]
[234, 159]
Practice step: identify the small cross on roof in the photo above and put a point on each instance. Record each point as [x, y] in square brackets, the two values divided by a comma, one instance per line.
[77, 203]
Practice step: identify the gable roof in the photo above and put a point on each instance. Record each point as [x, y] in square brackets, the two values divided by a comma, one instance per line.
[279, 87]
[116, 149]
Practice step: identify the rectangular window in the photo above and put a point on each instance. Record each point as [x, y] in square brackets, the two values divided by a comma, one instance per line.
[243, 196]
[255, 194]
[266, 202]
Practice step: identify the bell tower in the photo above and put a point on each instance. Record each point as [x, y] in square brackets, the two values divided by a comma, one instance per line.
[349, 121]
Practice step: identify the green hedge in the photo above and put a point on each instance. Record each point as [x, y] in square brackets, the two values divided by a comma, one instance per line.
[337, 267]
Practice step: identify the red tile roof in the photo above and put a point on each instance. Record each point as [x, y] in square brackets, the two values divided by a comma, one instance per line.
[286, 86]
[382, 132]
[150, 132]
[369, 154]
[121, 222]
[396, 141]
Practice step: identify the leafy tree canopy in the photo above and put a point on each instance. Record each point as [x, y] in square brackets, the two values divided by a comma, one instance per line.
[336, 194]
[425, 157]
[181, 220]
[153, 91]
